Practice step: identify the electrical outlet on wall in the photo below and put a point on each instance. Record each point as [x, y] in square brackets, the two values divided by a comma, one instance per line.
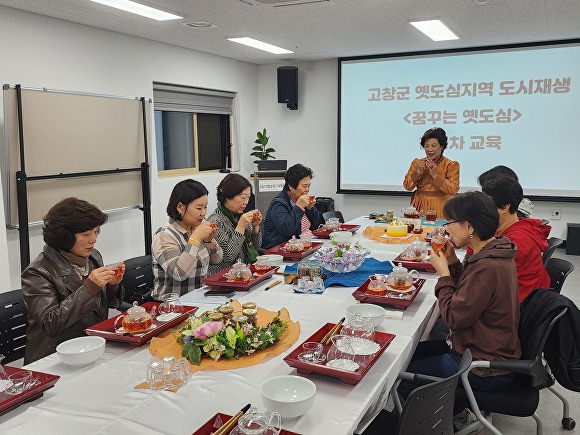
[555, 215]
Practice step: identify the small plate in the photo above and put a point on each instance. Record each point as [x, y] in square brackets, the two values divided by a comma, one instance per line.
[307, 357]
[166, 317]
[409, 290]
[343, 364]
[363, 346]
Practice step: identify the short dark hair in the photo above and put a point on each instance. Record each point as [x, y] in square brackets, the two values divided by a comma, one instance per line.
[476, 208]
[435, 133]
[296, 173]
[504, 190]
[67, 218]
[232, 185]
[184, 192]
[496, 171]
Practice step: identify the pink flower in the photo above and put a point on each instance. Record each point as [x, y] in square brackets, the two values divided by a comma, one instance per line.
[208, 329]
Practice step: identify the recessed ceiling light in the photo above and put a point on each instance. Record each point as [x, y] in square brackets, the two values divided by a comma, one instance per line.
[139, 9]
[199, 24]
[435, 30]
[250, 42]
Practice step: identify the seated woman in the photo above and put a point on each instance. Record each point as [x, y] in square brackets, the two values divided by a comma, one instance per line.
[435, 177]
[292, 212]
[478, 299]
[184, 247]
[66, 288]
[525, 206]
[529, 235]
[238, 233]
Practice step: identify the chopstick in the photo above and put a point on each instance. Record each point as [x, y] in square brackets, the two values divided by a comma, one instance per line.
[232, 421]
[330, 333]
[273, 285]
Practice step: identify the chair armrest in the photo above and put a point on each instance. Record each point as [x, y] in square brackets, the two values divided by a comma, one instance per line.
[519, 366]
[418, 378]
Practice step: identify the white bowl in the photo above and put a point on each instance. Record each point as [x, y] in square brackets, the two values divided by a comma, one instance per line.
[368, 311]
[291, 396]
[341, 237]
[81, 351]
[274, 259]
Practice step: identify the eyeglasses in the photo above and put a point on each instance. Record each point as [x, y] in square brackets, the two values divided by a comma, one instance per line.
[243, 197]
[446, 224]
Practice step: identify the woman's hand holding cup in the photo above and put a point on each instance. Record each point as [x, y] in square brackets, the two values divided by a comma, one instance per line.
[303, 201]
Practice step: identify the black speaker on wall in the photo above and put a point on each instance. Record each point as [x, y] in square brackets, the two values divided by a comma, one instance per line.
[288, 86]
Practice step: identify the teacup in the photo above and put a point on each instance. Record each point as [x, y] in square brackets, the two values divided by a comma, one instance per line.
[21, 381]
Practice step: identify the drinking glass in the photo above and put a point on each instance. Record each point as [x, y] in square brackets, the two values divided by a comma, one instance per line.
[438, 238]
[156, 375]
[317, 284]
[170, 307]
[21, 381]
[431, 215]
[312, 352]
[340, 355]
[306, 241]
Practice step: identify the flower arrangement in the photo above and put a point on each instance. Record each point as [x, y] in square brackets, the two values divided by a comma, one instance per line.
[216, 339]
[342, 257]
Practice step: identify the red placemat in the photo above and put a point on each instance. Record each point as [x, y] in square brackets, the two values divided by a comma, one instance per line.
[325, 234]
[219, 420]
[417, 265]
[364, 361]
[218, 280]
[46, 381]
[279, 249]
[106, 328]
[392, 299]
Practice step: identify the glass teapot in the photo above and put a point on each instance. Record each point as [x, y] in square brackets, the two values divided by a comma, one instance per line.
[416, 252]
[294, 245]
[239, 272]
[254, 423]
[359, 326]
[136, 319]
[410, 212]
[401, 279]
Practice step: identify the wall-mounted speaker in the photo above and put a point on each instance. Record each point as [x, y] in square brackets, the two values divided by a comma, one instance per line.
[288, 86]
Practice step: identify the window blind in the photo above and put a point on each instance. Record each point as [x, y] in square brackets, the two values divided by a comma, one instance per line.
[178, 98]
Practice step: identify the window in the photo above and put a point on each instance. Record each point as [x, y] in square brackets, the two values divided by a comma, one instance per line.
[192, 128]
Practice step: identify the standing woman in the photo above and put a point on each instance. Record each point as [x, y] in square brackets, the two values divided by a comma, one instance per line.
[66, 288]
[184, 247]
[292, 212]
[435, 177]
[238, 233]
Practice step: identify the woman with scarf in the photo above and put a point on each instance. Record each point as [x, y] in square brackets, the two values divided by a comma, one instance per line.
[238, 233]
[67, 288]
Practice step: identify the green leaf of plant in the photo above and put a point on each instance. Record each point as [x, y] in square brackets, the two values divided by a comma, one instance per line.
[270, 150]
[194, 355]
[257, 148]
[256, 154]
[264, 132]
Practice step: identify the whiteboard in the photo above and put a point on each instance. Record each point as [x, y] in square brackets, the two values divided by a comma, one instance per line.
[67, 132]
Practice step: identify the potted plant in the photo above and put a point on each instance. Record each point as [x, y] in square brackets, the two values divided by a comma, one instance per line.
[261, 151]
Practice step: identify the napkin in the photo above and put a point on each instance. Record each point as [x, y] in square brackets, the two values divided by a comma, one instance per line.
[355, 278]
[393, 314]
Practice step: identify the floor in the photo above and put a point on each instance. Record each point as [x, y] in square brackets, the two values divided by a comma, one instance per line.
[550, 409]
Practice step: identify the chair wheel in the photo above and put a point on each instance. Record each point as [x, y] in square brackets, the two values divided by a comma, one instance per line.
[568, 423]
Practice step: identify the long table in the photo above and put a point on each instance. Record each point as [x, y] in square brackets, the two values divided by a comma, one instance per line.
[101, 398]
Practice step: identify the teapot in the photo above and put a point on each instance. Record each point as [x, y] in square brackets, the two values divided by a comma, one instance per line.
[136, 319]
[255, 423]
[410, 212]
[377, 285]
[294, 245]
[416, 252]
[401, 279]
[359, 326]
[262, 265]
[239, 272]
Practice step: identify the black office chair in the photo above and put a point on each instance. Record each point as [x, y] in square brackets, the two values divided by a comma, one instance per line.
[558, 269]
[330, 214]
[137, 281]
[13, 324]
[521, 399]
[427, 410]
[553, 243]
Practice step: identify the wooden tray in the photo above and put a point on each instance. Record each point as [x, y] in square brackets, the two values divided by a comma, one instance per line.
[279, 249]
[106, 328]
[218, 280]
[365, 361]
[325, 234]
[8, 402]
[360, 294]
[210, 426]
[417, 265]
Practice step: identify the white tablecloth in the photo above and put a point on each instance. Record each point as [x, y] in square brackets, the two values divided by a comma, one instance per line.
[100, 398]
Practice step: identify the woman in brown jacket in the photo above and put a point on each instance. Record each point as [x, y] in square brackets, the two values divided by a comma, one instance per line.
[478, 299]
[66, 288]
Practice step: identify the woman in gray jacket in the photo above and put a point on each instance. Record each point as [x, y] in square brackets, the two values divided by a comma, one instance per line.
[66, 288]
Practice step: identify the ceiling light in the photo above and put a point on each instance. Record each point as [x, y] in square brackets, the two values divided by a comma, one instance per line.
[435, 30]
[200, 25]
[260, 45]
[139, 9]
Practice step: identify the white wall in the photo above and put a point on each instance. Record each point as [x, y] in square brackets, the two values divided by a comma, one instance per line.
[309, 136]
[39, 51]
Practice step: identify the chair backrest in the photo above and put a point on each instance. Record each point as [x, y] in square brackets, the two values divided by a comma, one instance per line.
[558, 269]
[330, 214]
[553, 243]
[429, 408]
[13, 324]
[138, 279]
